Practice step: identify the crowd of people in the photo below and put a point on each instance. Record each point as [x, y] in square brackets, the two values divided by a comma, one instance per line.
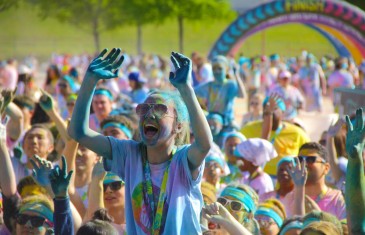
[119, 144]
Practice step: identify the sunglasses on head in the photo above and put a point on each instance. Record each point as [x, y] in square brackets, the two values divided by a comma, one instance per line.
[158, 110]
[114, 186]
[35, 221]
[235, 205]
[311, 159]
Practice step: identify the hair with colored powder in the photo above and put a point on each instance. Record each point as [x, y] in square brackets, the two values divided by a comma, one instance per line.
[321, 227]
[321, 216]
[125, 121]
[274, 205]
[182, 114]
[294, 222]
[28, 181]
[318, 148]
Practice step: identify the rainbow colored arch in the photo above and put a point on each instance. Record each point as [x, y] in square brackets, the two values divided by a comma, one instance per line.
[341, 23]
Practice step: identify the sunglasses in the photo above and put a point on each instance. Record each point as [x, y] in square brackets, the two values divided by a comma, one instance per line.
[62, 85]
[235, 205]
[254, 103]
[311, 159]
[158, 110]
[70, 104]
[35, 221]
[114, 186]
[264, 221]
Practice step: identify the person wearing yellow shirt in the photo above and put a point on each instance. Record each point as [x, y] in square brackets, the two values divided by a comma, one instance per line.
[286, 137]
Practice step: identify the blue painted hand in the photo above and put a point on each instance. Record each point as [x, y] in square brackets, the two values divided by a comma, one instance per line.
[355, 139]
[41, 170]
[60, 180]
[46, 102]
[183, 67]
[298, 173]
[108, 67]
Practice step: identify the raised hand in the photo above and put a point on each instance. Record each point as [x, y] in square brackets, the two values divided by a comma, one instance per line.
[355, 139]
[216, 213]
[46, 101]
[41, 171]
[7, 97]
[108, 67]
[98, 171]
[183, 67]
[272, 105]
[60, 180]
[335, 128]
[298, 173]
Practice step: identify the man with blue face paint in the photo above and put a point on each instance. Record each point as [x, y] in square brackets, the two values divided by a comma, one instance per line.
[313, 83]
[161, 174]
[218, 96]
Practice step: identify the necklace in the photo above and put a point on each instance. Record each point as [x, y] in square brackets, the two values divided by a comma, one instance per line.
[155, 212]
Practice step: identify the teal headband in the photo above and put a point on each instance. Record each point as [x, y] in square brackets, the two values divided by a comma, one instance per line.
[288, 160]
[215, 116]
[241, 196]
[111, 177]
[270, 213]
[233, 134]
[292, 225]
[214, 158]
[37, 208]
[123, 128]
[104, 92]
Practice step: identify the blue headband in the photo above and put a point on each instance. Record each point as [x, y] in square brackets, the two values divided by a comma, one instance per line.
[241, 196]
[288, 160]
[216, 116]
[292, 225]
[214, 158]
[123, 128]
[270, 213]
[279, 102]
[234, 134]
[104, 92]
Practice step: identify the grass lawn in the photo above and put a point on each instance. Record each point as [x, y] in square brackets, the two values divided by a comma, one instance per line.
[23, 33]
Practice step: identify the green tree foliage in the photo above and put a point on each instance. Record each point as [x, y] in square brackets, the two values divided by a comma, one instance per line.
[358, 3]
[139, 13]
[6, 4]
[92, 15]
[195, 10]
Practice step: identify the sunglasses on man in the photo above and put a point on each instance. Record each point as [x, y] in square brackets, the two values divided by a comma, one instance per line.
[35, 221]
[311, 159]
[114, 186]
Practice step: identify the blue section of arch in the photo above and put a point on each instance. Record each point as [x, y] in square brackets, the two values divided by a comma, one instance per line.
[340, 48]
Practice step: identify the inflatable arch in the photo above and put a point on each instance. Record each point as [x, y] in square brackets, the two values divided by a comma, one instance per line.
[341, 23]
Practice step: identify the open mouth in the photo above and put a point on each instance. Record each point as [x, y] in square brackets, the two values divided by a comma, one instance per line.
[150, 130]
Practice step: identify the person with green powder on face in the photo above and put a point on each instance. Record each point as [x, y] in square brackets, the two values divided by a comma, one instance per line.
[355, 181]
[162, 175]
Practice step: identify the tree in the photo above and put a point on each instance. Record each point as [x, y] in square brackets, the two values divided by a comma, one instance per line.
[195, 10]
[139, 13]
[92, 15]
[6, 4]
